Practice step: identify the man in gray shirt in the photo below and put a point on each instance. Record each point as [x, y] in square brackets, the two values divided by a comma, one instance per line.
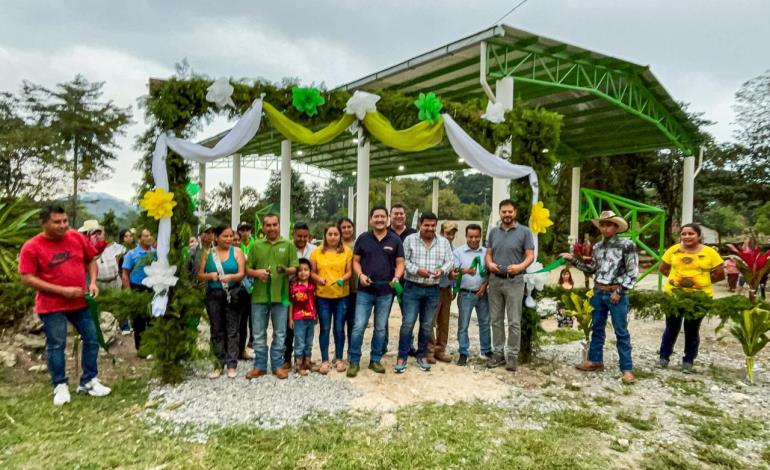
[510, 249]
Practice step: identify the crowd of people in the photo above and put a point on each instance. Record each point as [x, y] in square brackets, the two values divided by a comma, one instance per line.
[255, 281]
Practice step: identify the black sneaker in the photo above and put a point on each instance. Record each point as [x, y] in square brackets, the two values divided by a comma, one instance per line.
[412, 352]
[487, 354]
[463, 361]
[510, 364]
[496, 360]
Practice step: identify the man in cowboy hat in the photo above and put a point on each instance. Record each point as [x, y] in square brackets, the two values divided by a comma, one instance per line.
[615, 267]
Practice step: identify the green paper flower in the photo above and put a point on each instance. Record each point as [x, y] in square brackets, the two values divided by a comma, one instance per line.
[306, 100]
[429, 106]
[192, 191]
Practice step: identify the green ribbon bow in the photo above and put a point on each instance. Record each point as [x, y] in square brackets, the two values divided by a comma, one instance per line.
[475, 264]
[340, 282]
[192, 191]
[306, 100]
[284, 288]
[93, 309]
[429, 106]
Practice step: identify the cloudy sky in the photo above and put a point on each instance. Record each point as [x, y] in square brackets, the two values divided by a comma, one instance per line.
[701, 50]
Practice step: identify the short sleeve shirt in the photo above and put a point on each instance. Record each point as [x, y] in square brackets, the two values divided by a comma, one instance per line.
[378, 260]
[407, 231]
[691, 271]
[302, 297]
[60, 262]
[331, 266]
[135, 261]
[510, 246]
[266, 255]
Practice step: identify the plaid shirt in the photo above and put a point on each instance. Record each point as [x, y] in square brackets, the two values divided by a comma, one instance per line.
[614, 262]
[437, 255]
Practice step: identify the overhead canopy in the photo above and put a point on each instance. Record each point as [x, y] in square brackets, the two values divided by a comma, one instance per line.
[610, 106]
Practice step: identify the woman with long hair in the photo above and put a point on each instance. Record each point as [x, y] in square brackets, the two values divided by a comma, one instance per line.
[223, 269]
[332, 265]
[348, 232]
[565, 282]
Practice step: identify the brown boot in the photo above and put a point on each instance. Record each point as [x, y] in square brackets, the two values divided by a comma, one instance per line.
[430, 358]
[287, 365]
[303, 366]
[442, 356]
[588, 366]
[281, 373]
[255, 373]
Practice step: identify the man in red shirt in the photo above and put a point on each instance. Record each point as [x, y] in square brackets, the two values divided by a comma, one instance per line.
[54, 263]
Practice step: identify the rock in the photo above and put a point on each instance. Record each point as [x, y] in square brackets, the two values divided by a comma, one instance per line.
[8, 358]
[388, 420]
[31, 323]
[32, 342]
[40, 368]
[739, 397]
[714, 389]
[110, 327]
[623, 442]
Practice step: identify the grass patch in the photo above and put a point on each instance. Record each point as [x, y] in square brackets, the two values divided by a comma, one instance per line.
[563, 336]
[604, 401]
[667, 458]
[718, 457]
[644, 373]
[686, 387]
[636, 421]
[725, 431]
[703, 409]
[575, 419]
[766, 454]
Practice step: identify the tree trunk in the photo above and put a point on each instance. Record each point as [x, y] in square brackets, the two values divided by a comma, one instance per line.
[73, 222]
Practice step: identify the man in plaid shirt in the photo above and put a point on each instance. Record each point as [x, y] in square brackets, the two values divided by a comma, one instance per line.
[426, 258]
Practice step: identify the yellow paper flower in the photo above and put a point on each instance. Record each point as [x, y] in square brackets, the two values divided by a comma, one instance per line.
[158, 203]
[540, 220]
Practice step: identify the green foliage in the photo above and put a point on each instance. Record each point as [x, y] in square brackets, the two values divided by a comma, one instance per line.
[581, 309]
[16, 300]
[564, 336]
[724, 219]
[724, 431]
[531, 334]
[762, 219]
[15, 229]
[583, 419]
[751, 329]
[110, 224]
[635, 419]
[125, 304]
[667, 458]
[172, 342]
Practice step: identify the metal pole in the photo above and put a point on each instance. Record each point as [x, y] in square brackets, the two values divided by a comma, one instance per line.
[235, 216]
[501, 187]
[202, 193]
[434, 199]
[688, 189]
[352, 204]
[285, 188]
[574, 212]
[388, 194]
[362, 184]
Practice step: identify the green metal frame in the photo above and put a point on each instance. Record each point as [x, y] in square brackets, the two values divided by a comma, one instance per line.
[593, 202]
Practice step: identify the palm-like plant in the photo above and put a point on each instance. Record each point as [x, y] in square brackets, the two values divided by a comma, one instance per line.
[752, 263]
[751, 329]
[15, 229]
[582, 310]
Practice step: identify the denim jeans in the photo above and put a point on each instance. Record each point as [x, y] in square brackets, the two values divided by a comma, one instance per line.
[364, 304]
[277, 315]
[466, 302]
[619, 315]
[691, 337]
[350, 317]
[418, 303]
[331, 310]
[303, 338]
[55, 326]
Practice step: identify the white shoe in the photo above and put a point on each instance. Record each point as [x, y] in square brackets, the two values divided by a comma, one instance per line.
[61, 394]
[94, 388]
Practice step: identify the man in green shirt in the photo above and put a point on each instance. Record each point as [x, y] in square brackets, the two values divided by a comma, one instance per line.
[271, 261]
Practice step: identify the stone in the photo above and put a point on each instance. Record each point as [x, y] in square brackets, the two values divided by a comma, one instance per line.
[8, 358]
[40, 368]
[110, 327]
[388, 420]
[623, 442]
[31, 323]
[31, 342]
[739, 397]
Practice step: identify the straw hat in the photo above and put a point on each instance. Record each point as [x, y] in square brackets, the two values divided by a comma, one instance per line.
[90, 226]
[609, 216]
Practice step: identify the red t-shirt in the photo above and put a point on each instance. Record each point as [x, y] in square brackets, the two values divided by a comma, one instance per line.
[302, 301]
[60, 262]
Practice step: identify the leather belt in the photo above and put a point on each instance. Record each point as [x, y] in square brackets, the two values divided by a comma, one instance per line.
[422, 286]
[607, 287]
[505, 276]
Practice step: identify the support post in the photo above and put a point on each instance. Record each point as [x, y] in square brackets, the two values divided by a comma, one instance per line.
[501, 186]
[388, 194]
[434, 198]
[574, 213]
[688, 189]
[235, 215]
[202, 194]
[285, 188]
[362, 184]
[352, 204]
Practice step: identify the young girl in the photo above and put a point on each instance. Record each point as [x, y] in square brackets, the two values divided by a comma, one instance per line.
[332, 268]
[302, 315]
[565, 281]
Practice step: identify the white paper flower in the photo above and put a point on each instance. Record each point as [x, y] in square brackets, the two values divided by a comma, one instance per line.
[361, 103]
[353, 128]
[534, 282]
[495, 112]
[220, 92]
[159, 304]
[160, 276]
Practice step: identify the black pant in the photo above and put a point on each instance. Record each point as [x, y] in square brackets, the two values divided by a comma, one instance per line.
[225, 320]
[691, 338]
[139, 321]
[289, 343]
[244, 329]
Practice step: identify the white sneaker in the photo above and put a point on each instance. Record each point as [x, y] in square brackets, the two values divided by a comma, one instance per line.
[94, 388]
[61, 394]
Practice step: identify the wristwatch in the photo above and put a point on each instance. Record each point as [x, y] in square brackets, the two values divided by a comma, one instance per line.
[618, 291]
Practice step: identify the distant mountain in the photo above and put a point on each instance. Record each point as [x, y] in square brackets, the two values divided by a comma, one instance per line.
[100, 203]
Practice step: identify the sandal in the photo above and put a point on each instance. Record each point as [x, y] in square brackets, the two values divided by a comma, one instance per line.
[215, 374]
[341, 367]
[232, 373]
[324, 369]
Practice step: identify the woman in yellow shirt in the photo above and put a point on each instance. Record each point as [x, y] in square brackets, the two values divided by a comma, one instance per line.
[690, 266]
[332, 266]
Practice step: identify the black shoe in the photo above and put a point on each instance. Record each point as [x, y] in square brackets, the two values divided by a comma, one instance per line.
[497, 360]
[510, 364]
[412, 352]
[463, 361]
[487, 354]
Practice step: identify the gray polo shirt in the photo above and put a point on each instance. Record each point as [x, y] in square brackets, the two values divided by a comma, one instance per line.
[510, 246]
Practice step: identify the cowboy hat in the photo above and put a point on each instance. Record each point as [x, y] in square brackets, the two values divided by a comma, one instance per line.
[89, 226]
[609, 216]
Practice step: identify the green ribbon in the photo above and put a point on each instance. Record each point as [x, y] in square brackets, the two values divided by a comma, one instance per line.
[393, 284]
[340, 282]
[284, 289]
[475, 264]
[93, 309]
[552, 266]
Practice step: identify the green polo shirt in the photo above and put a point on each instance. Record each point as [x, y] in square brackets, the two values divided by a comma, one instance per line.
[266, 255]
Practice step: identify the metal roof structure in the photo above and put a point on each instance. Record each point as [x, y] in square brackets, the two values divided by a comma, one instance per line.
[610, 106]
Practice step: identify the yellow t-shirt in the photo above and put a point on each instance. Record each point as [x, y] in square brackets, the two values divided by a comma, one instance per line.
[691, 271]
[331, 266]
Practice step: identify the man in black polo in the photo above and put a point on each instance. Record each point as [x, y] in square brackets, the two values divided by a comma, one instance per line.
[510, 249]
[378, 261]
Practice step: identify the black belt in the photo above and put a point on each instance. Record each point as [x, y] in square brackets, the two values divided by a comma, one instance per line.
[422, 286]
[469, 291]
[505, 275]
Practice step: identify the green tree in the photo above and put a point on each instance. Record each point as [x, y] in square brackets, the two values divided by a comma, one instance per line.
[724, 219]
[220, 204]
[110, 224]
[83, 125]
[752, 117]
[762, 218]
[300, 195]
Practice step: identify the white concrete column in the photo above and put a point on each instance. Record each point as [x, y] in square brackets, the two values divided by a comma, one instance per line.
[362, 184]
[202, 193]
[434, 197]
[688, 189]
[285, 188]
[352, 204]
[501, 186]
[574, 213]
[235, 216]
[388, 194]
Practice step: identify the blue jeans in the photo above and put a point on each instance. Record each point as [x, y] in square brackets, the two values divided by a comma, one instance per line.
[303, 338]
[55, 326]
[466, 302]
[350, 317]
[364, 304]
[619, 314]
[328, 310]
[417, 302]
[278, 315]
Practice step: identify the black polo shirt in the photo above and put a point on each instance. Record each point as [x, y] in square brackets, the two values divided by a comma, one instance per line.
[378, 260]
[407, 231]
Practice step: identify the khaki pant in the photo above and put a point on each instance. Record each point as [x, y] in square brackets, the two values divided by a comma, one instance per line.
[506, 297]
[440, 332]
